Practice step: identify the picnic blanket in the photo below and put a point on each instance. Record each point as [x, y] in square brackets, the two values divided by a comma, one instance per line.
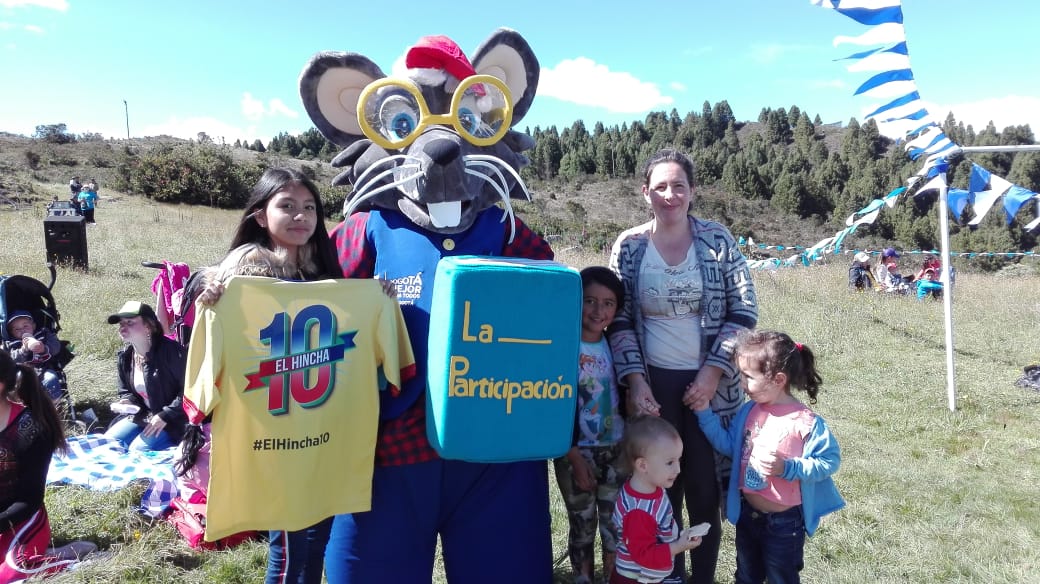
[100, 463]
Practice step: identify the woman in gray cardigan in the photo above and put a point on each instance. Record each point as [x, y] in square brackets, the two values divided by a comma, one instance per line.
[688, 293]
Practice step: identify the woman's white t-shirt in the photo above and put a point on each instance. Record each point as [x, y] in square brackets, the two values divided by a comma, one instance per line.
[139, 385]
[670, 299]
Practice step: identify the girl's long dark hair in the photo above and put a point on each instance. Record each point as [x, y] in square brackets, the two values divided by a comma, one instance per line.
[21, 381]
[319, 247]
[192, 442]
[319, 251]
[776, 352]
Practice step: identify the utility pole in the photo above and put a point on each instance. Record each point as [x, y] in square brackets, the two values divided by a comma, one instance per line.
[127, 110]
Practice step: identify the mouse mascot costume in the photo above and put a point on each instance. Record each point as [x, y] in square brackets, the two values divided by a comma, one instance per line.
[433, 159]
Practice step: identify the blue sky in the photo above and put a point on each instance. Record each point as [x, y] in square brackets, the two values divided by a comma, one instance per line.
[230, 68]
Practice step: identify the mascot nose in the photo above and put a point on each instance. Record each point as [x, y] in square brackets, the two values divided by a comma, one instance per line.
[442, 151]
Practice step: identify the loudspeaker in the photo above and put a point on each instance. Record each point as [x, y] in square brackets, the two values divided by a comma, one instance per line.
[66, 240]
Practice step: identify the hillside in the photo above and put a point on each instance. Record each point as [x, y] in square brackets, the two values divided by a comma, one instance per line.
[783, 180]
[560, 206]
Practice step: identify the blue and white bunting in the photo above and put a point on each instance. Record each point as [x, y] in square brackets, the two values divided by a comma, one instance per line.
[904, 113]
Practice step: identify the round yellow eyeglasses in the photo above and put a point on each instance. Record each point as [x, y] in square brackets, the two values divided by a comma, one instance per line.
[393, 112]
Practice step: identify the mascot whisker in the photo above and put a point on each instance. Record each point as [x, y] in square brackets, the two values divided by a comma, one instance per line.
[433, 157]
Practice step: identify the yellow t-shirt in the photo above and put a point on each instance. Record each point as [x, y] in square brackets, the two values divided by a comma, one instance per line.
[291, 373]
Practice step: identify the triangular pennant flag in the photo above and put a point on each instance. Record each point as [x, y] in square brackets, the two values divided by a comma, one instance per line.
[957, 199]
[936, 183]
[880, 62]
[984, 201]
[870, 217]
[890, 32]
[847, 4]
[873, 16]
[908, 98]
[926, 139]
[891, 89]
[920, 130]
[1014, 199]
[979, 179]
[885, 77]
[898, 48]
[891, 198]
[917, 115]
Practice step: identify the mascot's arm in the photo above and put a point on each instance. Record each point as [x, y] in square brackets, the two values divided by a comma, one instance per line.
[355, 255]
[526, 244]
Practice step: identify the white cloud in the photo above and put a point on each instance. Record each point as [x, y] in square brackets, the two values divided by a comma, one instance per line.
[6, 25]
[676, 86]
[1011, 110]
[33, 28]
[59, 5]
[767, 54]
[254, 109]
[277, 106]
[585, 82]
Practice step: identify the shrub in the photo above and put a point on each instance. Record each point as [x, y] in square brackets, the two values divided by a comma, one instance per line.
[192, 174]
[32, 159]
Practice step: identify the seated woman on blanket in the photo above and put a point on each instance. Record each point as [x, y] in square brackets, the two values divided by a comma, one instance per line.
[30, 433]
[151, 382]
[887, 273]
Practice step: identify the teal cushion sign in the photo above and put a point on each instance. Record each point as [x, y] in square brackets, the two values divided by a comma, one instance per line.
[503, 358]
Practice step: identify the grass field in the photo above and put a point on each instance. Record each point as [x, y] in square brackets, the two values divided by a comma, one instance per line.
[933, 495]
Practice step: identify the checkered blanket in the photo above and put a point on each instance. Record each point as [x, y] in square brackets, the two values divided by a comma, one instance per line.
[100, 463]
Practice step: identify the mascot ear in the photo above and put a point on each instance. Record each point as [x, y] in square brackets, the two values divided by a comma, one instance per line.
[507, 56]
[330, 86]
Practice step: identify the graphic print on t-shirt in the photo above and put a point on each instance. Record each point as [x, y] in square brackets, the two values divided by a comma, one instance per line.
[290, 373]
[297, 371]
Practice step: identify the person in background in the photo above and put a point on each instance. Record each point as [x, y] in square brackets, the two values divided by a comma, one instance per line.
[887, 275]
[30, 433]
[927, 285]
[88, 199]
[786, 456]
[151, 382]
[860, 277]
[35, 348]
[688, 293]
[930, 263]
[650, 536]
[588, 475]
[75, 187]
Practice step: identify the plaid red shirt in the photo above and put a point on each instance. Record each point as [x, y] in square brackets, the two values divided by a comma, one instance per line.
[403, 440]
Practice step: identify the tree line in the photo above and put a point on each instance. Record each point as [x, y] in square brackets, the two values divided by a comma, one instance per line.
[800, 166]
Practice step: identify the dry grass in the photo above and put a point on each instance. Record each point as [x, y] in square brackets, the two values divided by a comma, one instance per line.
[933, 495]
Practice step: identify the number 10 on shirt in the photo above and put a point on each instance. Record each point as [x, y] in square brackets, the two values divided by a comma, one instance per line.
[293, 361]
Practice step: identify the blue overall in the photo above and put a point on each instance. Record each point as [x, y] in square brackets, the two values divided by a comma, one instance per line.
[493, 519]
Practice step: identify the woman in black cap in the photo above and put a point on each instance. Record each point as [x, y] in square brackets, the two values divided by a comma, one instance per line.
[151, 382]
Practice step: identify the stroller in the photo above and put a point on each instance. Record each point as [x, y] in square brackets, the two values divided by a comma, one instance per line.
[22, 293]
[175, 287]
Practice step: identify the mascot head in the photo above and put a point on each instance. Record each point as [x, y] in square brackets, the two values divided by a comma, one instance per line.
[435, 140]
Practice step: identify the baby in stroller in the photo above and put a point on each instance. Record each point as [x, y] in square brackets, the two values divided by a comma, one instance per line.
[36, 348]
[30, 333]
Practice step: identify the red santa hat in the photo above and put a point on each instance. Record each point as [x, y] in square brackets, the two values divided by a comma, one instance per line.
[439, 52]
